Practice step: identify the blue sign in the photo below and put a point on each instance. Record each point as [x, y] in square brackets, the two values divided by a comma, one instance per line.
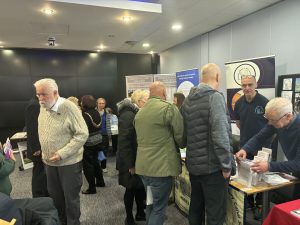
[187, 79]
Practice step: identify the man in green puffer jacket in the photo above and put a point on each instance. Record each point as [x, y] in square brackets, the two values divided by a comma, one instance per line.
[159, 130]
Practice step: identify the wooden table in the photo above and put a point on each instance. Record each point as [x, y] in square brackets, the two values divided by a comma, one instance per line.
[264, 189]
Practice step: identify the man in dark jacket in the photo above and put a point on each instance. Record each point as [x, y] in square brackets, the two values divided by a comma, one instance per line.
[209, 157]
[39, 179]
[286, 124]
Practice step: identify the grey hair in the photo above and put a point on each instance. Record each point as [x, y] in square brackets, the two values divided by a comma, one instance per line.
[138, 95]
[101, 99]
[48, 83]
[280, 106]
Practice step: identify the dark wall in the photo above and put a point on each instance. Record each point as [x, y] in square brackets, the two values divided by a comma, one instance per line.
[76, 73]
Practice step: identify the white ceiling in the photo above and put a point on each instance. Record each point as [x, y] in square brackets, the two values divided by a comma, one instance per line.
[86, 27]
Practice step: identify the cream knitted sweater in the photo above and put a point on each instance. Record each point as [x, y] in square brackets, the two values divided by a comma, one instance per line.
[64, 131]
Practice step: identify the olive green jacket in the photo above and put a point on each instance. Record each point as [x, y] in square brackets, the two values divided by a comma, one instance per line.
[7, 166]
[159, 130]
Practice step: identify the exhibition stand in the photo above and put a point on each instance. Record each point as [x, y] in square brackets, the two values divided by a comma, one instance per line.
[21, 139]
[236, 199]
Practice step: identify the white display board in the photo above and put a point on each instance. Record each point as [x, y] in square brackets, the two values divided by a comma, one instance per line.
[170, 81]
[143, 82]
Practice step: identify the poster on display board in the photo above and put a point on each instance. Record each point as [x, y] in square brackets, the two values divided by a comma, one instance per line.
[289, 87]
[143, 82]
[170, 82]
[262, 68]
[187, 79]
[134, 82]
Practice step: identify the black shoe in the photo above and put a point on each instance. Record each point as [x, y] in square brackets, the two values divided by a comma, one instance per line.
[258, 212]
[141, 217]
[88, 192]
[100, 184]
[128, 222]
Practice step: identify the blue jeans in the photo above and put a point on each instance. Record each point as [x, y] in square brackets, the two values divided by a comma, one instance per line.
[161, 188]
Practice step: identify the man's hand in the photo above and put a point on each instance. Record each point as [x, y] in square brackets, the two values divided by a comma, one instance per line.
[226, 174]
[260, 166]
[37, 153]
[132, 171]
[55, 157]
[11, 156]
[240, 154]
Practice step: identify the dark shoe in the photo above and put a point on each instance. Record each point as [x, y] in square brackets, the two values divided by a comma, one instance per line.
[258, 212]
[88, 192]
[128, 222]
[100, 184]
[141, 217]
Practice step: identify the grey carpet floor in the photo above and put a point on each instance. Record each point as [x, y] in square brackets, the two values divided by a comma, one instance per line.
[104, 208]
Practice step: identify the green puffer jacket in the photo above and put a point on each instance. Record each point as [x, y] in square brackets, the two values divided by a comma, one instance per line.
[159, 129]
[6, 168]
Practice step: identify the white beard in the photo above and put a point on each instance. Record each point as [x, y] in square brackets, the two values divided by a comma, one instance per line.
[47, 105]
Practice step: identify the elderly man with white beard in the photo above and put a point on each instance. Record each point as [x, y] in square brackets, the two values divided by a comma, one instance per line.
[62, 134]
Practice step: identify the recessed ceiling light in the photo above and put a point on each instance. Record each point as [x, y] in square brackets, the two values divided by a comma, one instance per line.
[126, 19]
[101, 47]
[176, 27]
[146, 45]
[98, 50]
[48, 11]
[151, 52]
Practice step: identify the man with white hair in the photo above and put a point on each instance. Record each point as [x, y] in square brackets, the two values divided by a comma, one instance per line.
[284, 123]
[62, 134]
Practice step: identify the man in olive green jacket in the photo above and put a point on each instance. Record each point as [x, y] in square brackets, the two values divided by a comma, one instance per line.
[159, 129]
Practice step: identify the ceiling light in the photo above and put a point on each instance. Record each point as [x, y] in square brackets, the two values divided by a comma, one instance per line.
[151, 52]
[48, 11]
[101, 47]
[146, 45]
[98, 50]
[1, 46]
[126, 19]
[176, 27]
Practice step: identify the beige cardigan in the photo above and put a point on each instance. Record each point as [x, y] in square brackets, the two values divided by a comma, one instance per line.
[64, 131]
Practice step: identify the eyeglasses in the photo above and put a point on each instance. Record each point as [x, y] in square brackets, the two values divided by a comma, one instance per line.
[275, 121]
[41, 95]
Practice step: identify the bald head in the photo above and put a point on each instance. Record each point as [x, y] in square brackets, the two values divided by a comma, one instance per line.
[210, 74]
[158, 89]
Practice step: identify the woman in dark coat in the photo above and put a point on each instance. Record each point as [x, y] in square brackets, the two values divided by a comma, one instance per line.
[127, 147]
[91, 167]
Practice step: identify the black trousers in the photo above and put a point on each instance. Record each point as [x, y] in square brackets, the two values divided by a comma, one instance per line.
[140, 196]
[114, 142]
[39, 180]
[64, 184]
[104, 148]
[209, 192]
[91, 167]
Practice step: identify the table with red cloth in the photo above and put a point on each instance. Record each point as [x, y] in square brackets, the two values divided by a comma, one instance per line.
[281, 214]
